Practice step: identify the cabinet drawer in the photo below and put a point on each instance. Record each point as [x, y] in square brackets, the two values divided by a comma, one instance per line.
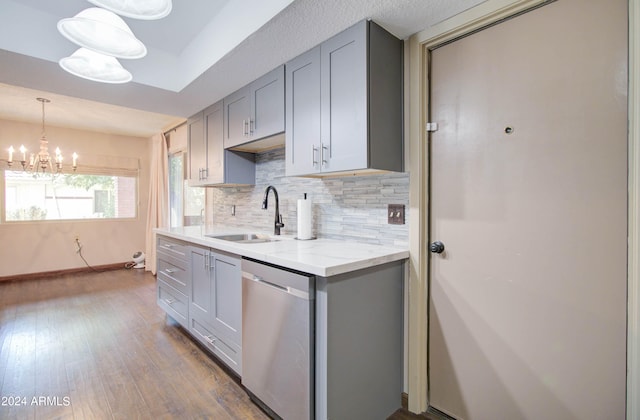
[226, 351]
[173, 302]
[174, 272]
[172, 247]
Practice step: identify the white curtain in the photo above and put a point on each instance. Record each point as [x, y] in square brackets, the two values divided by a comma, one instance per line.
[158, 197]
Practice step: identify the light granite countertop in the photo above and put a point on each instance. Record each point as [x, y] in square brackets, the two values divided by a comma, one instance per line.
[322, 257]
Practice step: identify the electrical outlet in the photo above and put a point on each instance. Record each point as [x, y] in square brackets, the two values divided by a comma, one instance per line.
[78, 244]
[395, 214]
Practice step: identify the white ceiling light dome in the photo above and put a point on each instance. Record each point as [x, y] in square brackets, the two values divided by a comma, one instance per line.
[137, 9]
[102, 31]
[95, 66]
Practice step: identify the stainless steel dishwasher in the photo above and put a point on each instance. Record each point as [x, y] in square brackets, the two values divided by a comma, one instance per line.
[278, 339]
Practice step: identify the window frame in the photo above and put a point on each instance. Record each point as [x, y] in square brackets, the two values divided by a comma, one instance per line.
[86, 170]
[185, 186]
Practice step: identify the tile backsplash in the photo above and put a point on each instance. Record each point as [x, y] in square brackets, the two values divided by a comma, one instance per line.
[349, 208]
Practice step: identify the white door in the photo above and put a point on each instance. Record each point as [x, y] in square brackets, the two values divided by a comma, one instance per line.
[527, 311]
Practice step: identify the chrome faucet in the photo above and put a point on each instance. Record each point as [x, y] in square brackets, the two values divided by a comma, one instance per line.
[265, 203]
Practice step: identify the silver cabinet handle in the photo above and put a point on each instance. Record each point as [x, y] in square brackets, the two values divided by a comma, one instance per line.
[169, 301]
[169, 271]
[315, 161]
[169, 246]
[251, 125]
[205, 256]
[211, 263]
[209, 339]
[323, 147]
[245, 128]
[205, 173]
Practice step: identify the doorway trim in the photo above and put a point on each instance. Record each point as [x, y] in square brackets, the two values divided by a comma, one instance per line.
[420, 44]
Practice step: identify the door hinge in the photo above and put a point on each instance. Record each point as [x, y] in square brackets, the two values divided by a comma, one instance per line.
[432, 126]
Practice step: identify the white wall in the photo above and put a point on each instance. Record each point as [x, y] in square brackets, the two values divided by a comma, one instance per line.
[34, 247]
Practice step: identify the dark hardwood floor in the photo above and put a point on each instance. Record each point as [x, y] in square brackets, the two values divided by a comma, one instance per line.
[96, 346]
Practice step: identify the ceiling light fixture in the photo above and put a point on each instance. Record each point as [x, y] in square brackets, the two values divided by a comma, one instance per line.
[102, 31]
[42, 162]
[141, 9]
[95, 66]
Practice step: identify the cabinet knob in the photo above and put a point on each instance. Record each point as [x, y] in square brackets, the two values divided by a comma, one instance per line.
[436, 247]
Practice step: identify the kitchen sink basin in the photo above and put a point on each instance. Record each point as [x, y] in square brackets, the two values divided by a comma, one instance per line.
[247, 238]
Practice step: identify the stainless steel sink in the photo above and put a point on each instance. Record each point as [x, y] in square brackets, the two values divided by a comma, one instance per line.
[247, 238]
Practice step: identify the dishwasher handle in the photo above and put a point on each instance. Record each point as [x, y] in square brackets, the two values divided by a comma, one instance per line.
[290, 290]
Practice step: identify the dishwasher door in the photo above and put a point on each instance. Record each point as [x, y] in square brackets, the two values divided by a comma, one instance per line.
[278, 339]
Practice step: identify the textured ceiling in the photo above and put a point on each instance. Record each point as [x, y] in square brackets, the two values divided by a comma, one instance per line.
[185, 70]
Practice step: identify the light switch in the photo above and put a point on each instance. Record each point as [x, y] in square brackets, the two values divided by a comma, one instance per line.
[396, 214]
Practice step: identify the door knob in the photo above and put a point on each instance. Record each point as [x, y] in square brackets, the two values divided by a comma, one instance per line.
[436, 247]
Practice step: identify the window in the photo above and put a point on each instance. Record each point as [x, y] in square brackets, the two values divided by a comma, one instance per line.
[69, 196]
[186, 204]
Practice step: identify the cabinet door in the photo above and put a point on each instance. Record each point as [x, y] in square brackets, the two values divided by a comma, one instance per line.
[200, 293]
[213, 117]
[237, 117]
[226, 297]
[344, 100]
[267, 105]
[303, 114]
[197, 148]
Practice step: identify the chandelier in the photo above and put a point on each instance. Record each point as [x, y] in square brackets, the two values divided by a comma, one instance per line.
[41, 162]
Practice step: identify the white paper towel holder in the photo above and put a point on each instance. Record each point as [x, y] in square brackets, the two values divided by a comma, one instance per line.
[309, 220]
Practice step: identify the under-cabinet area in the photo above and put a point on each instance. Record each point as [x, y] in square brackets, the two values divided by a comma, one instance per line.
[250, 306]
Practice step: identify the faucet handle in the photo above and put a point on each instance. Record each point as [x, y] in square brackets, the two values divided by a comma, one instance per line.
[280, 224]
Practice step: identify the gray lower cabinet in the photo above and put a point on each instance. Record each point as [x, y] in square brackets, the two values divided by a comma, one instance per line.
[359, 343]
[357, 339]
[174, 276]
[209, 163]
[344, 104]
[256, 111]
[215, 303]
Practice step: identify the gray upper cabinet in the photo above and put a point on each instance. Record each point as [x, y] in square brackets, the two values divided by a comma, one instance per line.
[213, 134]
[255, 111]
[209, 163]
[236, 118]
[303, 100]
[267, 105]
[197, 146]
[357, 75]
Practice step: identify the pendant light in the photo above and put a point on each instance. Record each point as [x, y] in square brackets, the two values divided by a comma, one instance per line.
[94, 66]
[140, 9]
[102, 31]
